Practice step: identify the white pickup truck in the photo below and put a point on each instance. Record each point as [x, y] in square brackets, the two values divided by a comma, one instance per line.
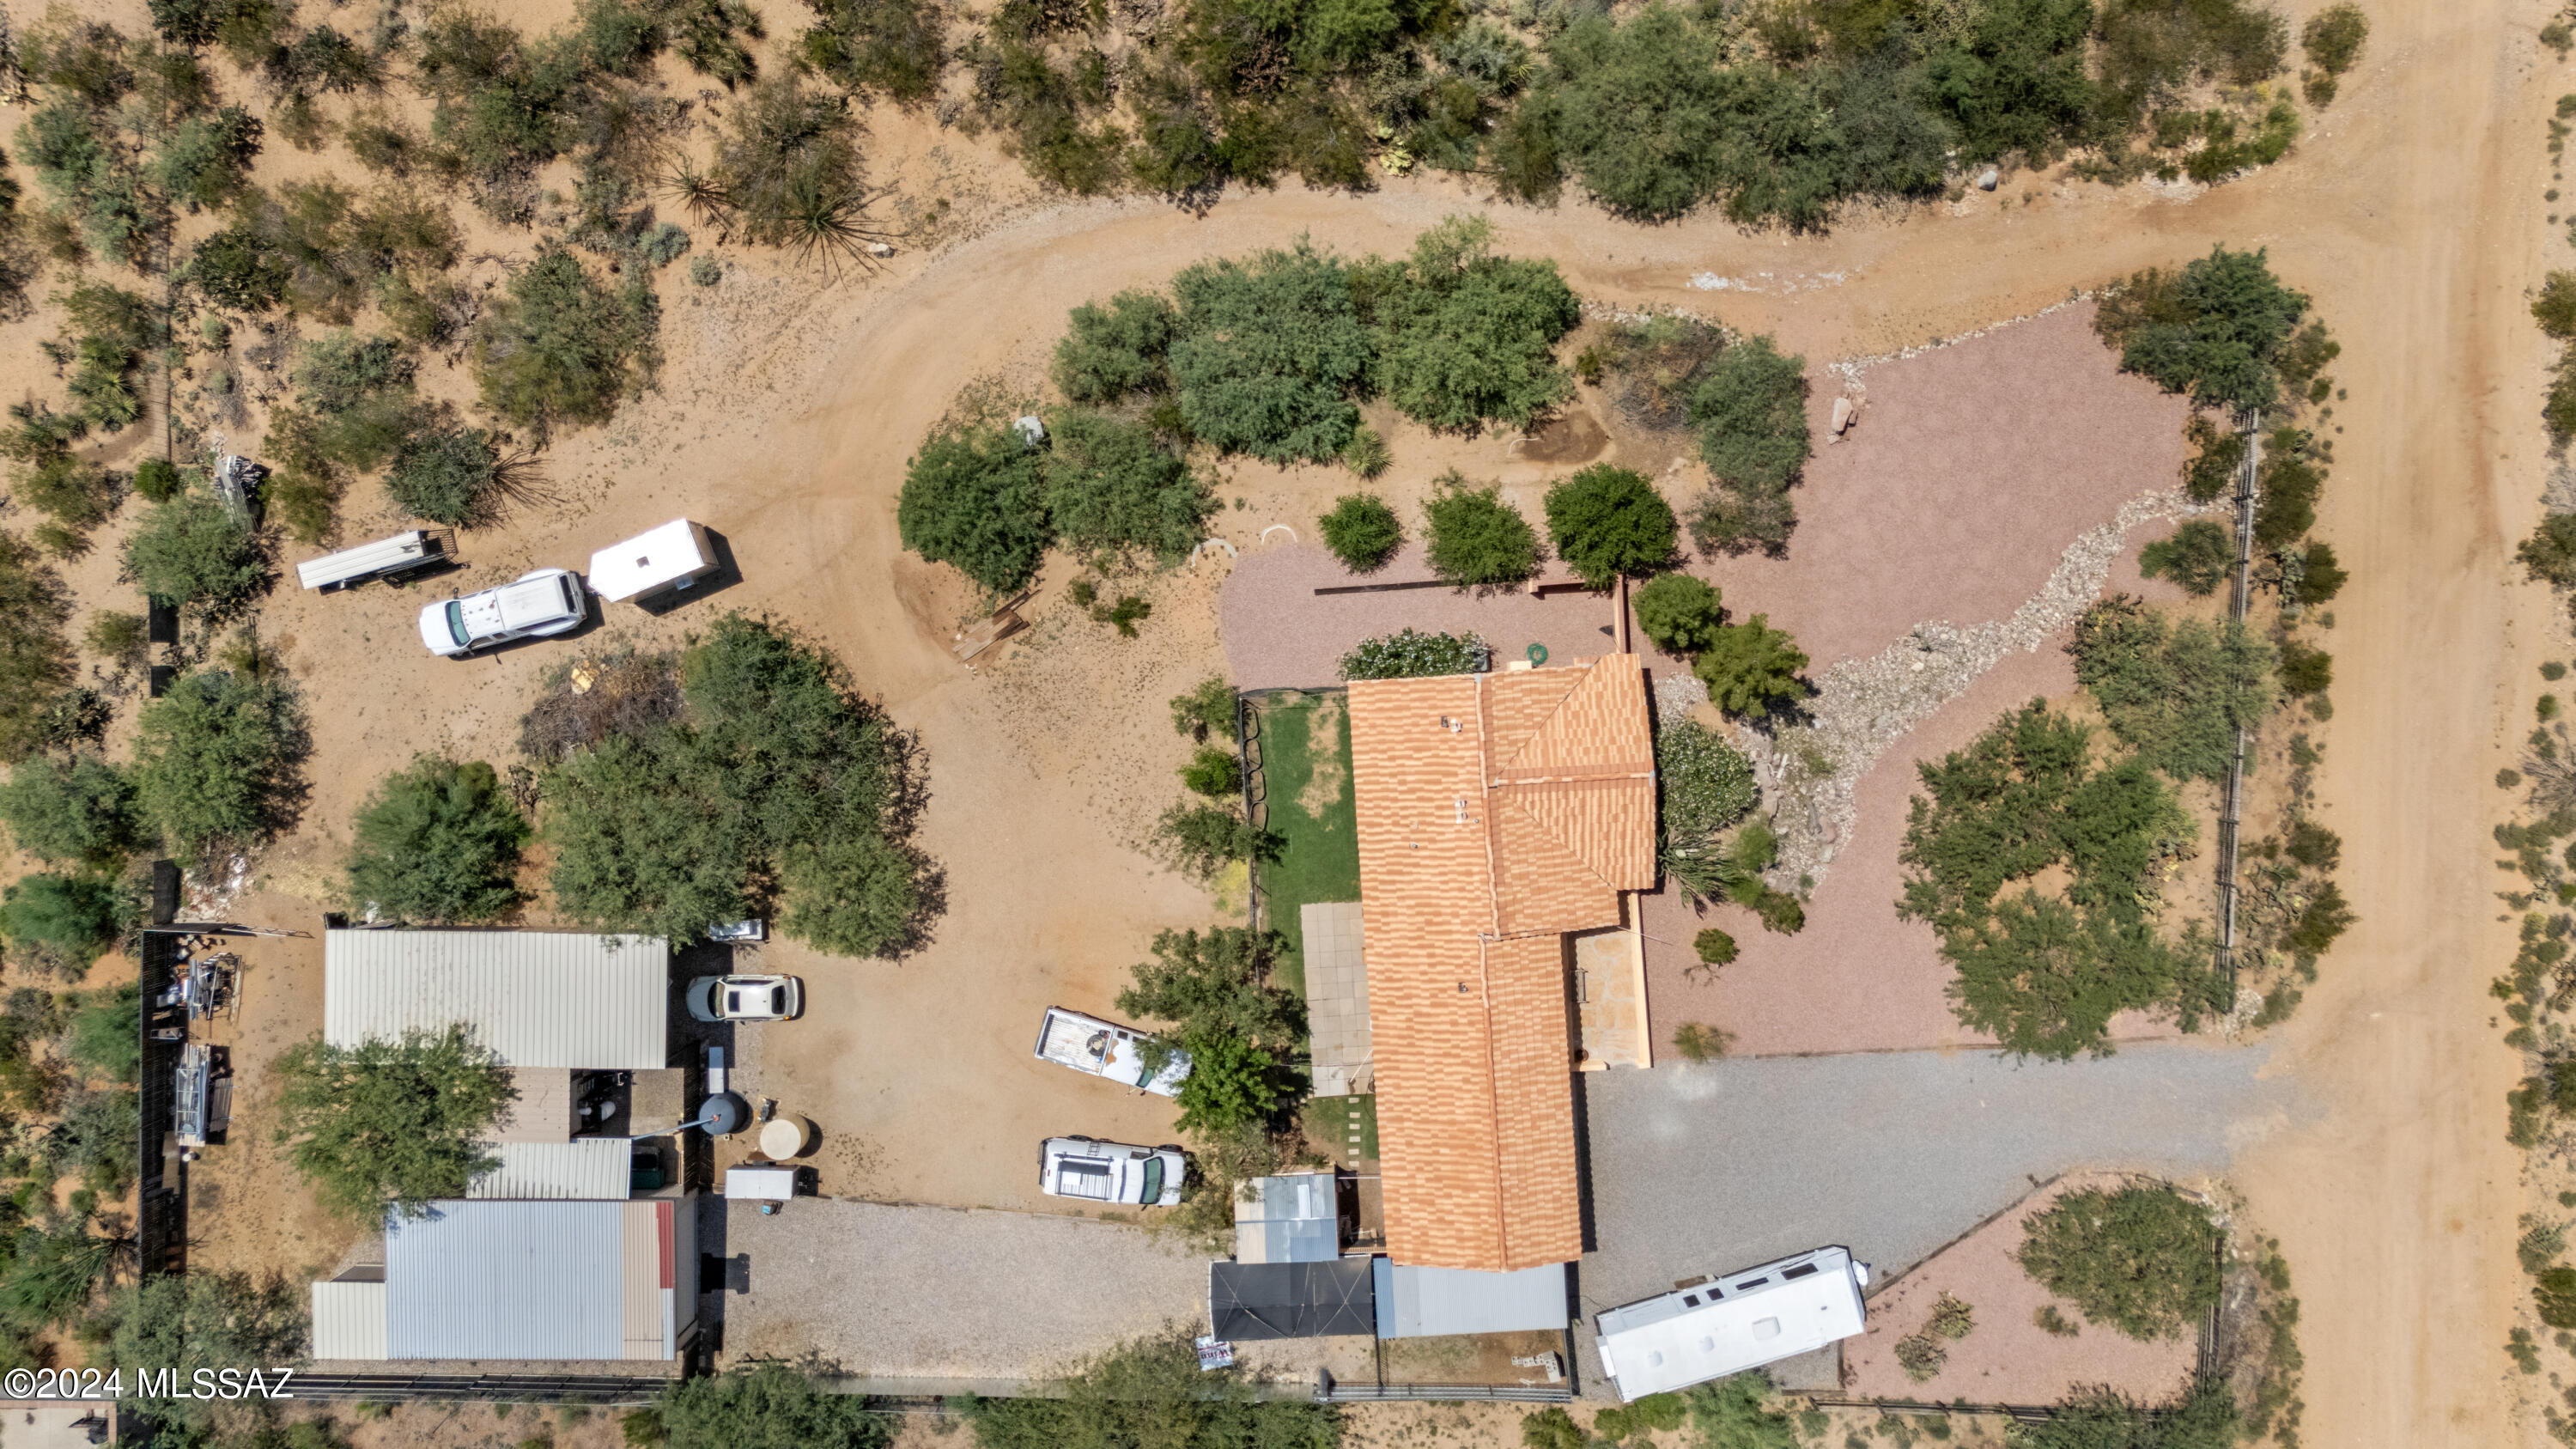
[1105, 1049]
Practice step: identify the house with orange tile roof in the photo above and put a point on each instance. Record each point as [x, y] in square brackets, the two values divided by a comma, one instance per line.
[1501, 817]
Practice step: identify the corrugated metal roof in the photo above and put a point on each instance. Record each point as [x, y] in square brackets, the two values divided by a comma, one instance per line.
[508, 1280]
[592, 1168]
[537, 998]
[1435, 1302]
[349, 1320]
[1292, 1218]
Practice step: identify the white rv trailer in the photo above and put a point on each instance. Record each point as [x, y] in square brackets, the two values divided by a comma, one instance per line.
[405, 553]
[675, 556]
[1741, 1321]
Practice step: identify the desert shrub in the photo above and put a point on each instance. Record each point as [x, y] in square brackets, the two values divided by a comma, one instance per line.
[1464, 336]
[976, 498]
[2553, 1295]
[78, 811]
[1207, 711]
[2142, 1259]
[2197, 556]
[112, 328]
[1714, 947]
[2291, 477]
[1110, 485]
[1213, 772]
[1362, 532]
[236, 268]
[217, 761]
[72, 918]
[1749, 407]
[1751, 668]
[2333, 37]
[1641, 111]
[1552, 1428]
[1655, 1413]
[437, 842]
[1607, 521]
[1409, 653]
[2555, 308]
[776, 772]
[105, 1035]
[2305, 671]
[787, 173]
[1476, 540]
[770, 1405]
[2324, 920]
[194, 550]
[2215, 330]
[1703, 785]
[75, 493]
[892, 47]
[2217, 453]
[1679, 613]
[156, 480]
[2203, 1416]
[446, 473]
[2045, 975]
[1112, 351]
[1367, 454]
[53, 1272]
[2013, 78]
[1150, 1389]
[2176, 692]
[35, 661]
[1740, 1413]
[204, 161]
[558, 348]
[1268, 351]
[2312, 845]
[2549, 555]
[2321, 575]
[181, 1323]
[390, 1124]
[1203, 839]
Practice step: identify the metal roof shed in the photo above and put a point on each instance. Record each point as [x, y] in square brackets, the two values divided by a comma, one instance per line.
[1291, 1218]
[1250, 1302]
[1760, 1315]
[1433, 1302]
[536, 998]
[492, 1279]
[673, 556]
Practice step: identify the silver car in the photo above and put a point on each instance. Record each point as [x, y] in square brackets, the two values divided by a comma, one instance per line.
[548, 601]
[1110, 1172]
[745, 998]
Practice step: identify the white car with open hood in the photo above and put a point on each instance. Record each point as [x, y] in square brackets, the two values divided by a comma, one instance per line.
[548, 601]
[1110, 1172]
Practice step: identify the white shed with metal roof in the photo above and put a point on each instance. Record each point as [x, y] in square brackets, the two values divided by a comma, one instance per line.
[536, 998]
[1743, 1320]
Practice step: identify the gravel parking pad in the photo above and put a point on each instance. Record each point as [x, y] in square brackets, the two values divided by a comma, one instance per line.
[1706, 1169]
[947, 1293]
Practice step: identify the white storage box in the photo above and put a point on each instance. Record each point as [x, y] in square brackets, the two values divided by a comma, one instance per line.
[760, 1184]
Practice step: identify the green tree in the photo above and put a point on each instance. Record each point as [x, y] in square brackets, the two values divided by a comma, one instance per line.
[1679, 613]
[437, 842]
[1231, 1084]
[217, 761]
[1608, 521]
[976, 498]
[2198, 556]
[1641, 111]
[1210, 985]
[1213, 772]
[1203, 839]
[1112, 351]
[1110, 485]
[69, 918]
[1751, 667]
[2215, 330]
[558, 348]
[1751, 412]
[2333, 37]
[2142, 1259]
[767, 1406]
[1465, 337]
[390, 1124]
[893, 47]
[1268, 353]
[53, 1272]
[176, 1324]
[194, 550]
[105, 1038]
[1476, 539]
[1362, 532]
[78, 811]
[2013, 78]
[2175, 691]
[1206, 712]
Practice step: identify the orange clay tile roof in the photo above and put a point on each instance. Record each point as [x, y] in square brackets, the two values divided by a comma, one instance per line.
[1496, 813]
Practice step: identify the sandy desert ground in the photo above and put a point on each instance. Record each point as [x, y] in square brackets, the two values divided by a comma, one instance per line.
[2411, 212]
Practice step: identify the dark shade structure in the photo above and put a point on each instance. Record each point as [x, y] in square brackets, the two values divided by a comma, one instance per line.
[1248, 1302]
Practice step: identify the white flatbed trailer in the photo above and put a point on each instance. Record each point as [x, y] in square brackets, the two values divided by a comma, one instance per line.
[1105, 1049]
[407, 552]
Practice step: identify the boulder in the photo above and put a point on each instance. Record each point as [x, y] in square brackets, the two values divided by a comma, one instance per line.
[1990, 179]
[1844, 415]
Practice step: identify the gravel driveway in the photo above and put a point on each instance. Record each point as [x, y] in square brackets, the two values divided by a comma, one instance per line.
[980, 1299]
[1705, 1169]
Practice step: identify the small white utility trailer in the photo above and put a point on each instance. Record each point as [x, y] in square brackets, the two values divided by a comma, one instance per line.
[660, 562]
[1106, 1049]
[393, 559]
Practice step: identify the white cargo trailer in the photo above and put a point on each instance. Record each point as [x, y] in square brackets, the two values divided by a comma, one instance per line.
[404, 554]
[678, 555]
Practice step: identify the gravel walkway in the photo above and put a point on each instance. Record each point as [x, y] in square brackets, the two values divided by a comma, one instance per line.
[945, 1293]
[1704, 1169]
